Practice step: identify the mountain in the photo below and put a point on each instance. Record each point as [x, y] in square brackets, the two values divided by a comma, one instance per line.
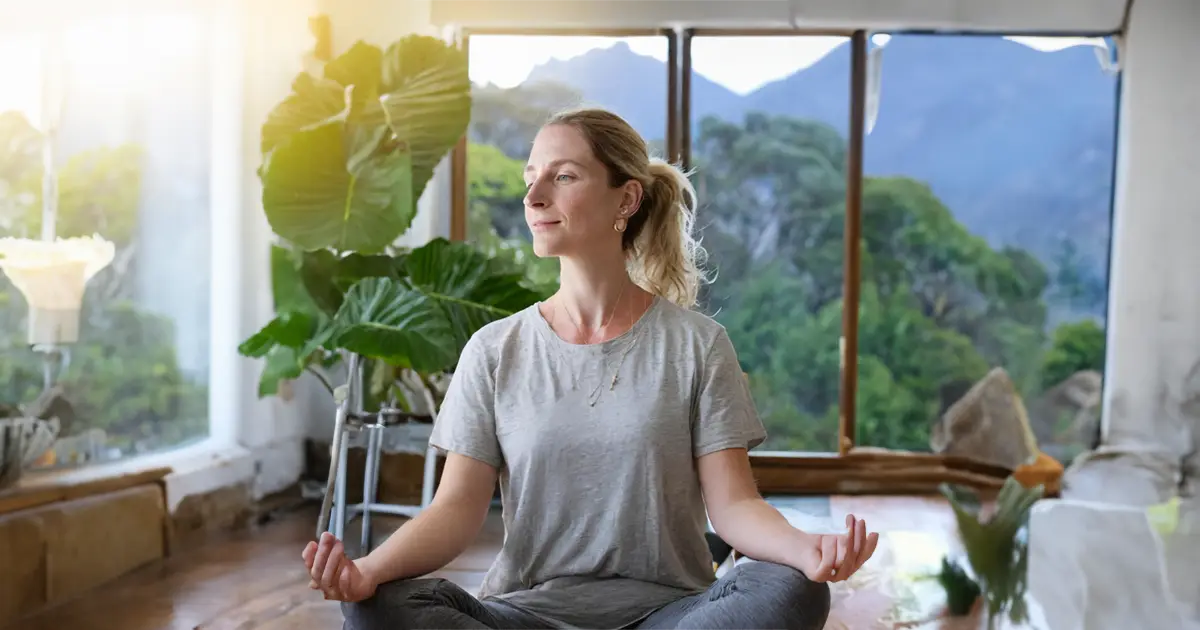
[1018, 143]
[631, 84]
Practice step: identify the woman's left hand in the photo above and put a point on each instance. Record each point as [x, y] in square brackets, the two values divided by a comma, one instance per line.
[836, 557]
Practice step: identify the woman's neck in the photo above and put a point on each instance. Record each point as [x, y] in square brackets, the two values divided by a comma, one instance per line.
[596, 300]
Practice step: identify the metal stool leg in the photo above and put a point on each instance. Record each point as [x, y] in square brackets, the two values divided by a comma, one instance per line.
[370, 484]
[339, 498]
[430, 474]
[337, 468]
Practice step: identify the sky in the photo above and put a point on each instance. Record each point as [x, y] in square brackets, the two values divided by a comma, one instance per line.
[741, 64]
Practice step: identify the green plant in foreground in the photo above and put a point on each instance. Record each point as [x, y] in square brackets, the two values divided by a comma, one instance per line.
[961, 590]
[997, 547]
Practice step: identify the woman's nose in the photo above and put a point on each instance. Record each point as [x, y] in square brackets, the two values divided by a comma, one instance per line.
[534, 196]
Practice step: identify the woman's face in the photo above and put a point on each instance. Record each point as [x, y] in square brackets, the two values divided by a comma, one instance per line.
[569, 206]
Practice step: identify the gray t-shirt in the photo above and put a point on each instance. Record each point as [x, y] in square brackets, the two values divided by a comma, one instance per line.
[603, 514]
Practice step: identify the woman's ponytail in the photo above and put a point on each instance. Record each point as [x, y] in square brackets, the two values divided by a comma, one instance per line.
[664, 256]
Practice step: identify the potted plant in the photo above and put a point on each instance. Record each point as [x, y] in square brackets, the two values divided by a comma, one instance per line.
[997, 554]
[346, 156]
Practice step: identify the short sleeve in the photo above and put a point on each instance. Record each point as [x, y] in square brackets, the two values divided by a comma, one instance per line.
[725, 412]
[466, 423]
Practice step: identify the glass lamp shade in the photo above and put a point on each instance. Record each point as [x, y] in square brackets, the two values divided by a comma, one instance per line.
[52, 275]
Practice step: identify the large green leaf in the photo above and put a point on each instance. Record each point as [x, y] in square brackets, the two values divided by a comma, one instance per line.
[361, 66]
[317, 271]
[354, 267]
[426, 95]
[334, 185]
[289, 329]
[311, 102]
[387, 319]
[471, 288]
[327, 277]
[282, 364]
[423, 318]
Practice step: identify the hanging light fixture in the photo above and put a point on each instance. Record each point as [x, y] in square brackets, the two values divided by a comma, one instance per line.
[52, 275]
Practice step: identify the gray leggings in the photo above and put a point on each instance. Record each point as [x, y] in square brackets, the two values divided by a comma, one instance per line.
[752, 595]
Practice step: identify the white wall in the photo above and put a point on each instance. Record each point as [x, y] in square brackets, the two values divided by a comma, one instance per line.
[261, 57]
[1152, 397]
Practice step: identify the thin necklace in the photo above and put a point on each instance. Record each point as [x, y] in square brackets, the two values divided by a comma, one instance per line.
[595, 395]
[603, 323]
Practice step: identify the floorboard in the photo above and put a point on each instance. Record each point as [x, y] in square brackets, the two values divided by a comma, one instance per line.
[255, 580]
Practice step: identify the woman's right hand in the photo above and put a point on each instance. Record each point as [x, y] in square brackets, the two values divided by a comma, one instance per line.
[335, 575]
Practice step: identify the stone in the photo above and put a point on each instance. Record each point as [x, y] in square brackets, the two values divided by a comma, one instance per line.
[1066, 418]
[988, 424]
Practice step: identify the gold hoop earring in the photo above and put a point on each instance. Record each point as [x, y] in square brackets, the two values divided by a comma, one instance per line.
[620, 224]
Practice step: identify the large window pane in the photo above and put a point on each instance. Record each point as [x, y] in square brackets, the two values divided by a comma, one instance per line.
[770, 116]
[132, 158]
[986, 234]
[519, 81]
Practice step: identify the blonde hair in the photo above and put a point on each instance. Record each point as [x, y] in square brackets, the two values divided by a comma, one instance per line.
[662, 255]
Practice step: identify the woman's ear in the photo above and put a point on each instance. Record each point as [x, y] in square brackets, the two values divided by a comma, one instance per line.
[631, 198]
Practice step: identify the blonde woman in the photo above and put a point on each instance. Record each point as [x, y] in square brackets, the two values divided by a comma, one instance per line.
[617, 422]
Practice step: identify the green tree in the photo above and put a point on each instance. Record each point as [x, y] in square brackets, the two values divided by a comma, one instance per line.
[938, 306]
[1076, 346]
[1075, 284]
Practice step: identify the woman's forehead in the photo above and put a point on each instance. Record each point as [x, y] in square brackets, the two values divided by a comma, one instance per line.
[556, 144]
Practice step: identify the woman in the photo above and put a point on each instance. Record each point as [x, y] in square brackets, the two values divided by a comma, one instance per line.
[617, 422]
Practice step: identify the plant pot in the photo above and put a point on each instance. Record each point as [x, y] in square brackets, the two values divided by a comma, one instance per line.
[22, 441]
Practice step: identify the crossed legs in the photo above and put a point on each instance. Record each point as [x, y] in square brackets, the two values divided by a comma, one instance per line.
[752, 595]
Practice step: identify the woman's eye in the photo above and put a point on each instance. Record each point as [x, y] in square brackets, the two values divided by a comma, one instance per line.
[562, 177]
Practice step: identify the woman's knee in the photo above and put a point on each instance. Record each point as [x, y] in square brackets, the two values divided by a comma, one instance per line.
[784, 594]
[392, 605]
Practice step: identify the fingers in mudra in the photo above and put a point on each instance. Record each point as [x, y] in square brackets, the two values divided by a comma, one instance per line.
[325, 561]
[842, 555]
[859, 545]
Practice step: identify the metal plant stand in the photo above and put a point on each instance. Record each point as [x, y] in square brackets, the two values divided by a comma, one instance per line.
[371, 430]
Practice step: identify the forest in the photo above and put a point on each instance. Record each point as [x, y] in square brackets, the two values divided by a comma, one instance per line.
[939, 306]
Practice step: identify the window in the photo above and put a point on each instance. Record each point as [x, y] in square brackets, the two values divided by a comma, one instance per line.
[519, 81]
[986, 192]
[985, 232]
[768, 142]
[131, 155]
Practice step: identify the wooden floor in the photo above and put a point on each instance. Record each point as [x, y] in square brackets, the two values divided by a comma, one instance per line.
[256, 579]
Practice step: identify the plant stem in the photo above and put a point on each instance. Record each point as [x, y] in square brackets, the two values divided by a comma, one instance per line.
[320, 377]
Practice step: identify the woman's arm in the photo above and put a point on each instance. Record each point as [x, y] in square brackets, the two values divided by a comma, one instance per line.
[755, 528]
[441, 531]
[742, 518]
